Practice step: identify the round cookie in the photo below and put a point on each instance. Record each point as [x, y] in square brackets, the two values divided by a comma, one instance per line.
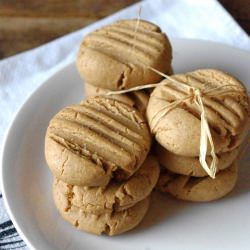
[200, 189]
[116, 196]
[191, 165]
[178, 131]
[91, 143]
[109, 223]
[114, 57]
[137, 99]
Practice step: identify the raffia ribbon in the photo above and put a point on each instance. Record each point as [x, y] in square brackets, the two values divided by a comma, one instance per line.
[196, 95]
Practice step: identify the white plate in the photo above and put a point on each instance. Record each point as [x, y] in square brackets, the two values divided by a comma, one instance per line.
[170, 224]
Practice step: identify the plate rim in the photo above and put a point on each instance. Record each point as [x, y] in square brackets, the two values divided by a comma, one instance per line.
[8, 133]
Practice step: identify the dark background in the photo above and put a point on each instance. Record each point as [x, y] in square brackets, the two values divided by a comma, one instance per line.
[25, 24]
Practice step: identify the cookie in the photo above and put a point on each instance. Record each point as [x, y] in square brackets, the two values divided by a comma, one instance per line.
[109, 223]
[137, 99]
[201, 189]
[116, 196]
[116, 56]
[91, 143]
[178, 131]
[191, 165]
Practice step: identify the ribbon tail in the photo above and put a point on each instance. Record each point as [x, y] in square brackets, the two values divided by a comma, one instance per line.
[204, 138]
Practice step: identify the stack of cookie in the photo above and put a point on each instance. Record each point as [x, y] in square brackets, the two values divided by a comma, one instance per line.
[98, 150]
[98, 154]
[119, 56]
[178, 133]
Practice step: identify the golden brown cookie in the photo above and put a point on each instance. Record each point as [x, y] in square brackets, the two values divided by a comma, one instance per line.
[179, 130]
[116, 196]
[109, 223]
[88, 144]
[201, 189]
[114, 57]
[190, 165]
[136, 99]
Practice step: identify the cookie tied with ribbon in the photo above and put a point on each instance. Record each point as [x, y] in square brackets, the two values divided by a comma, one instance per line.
[190, 166]
[199, 113]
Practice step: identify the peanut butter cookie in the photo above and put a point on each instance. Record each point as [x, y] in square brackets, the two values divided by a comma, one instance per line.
[227, 113]
[191, 165]
[117, 55]
[200, 189]
[116, 196]
[108, 223]
[100, 139]
[136, 99]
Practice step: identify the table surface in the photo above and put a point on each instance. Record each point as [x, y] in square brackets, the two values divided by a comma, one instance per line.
[29, 23]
